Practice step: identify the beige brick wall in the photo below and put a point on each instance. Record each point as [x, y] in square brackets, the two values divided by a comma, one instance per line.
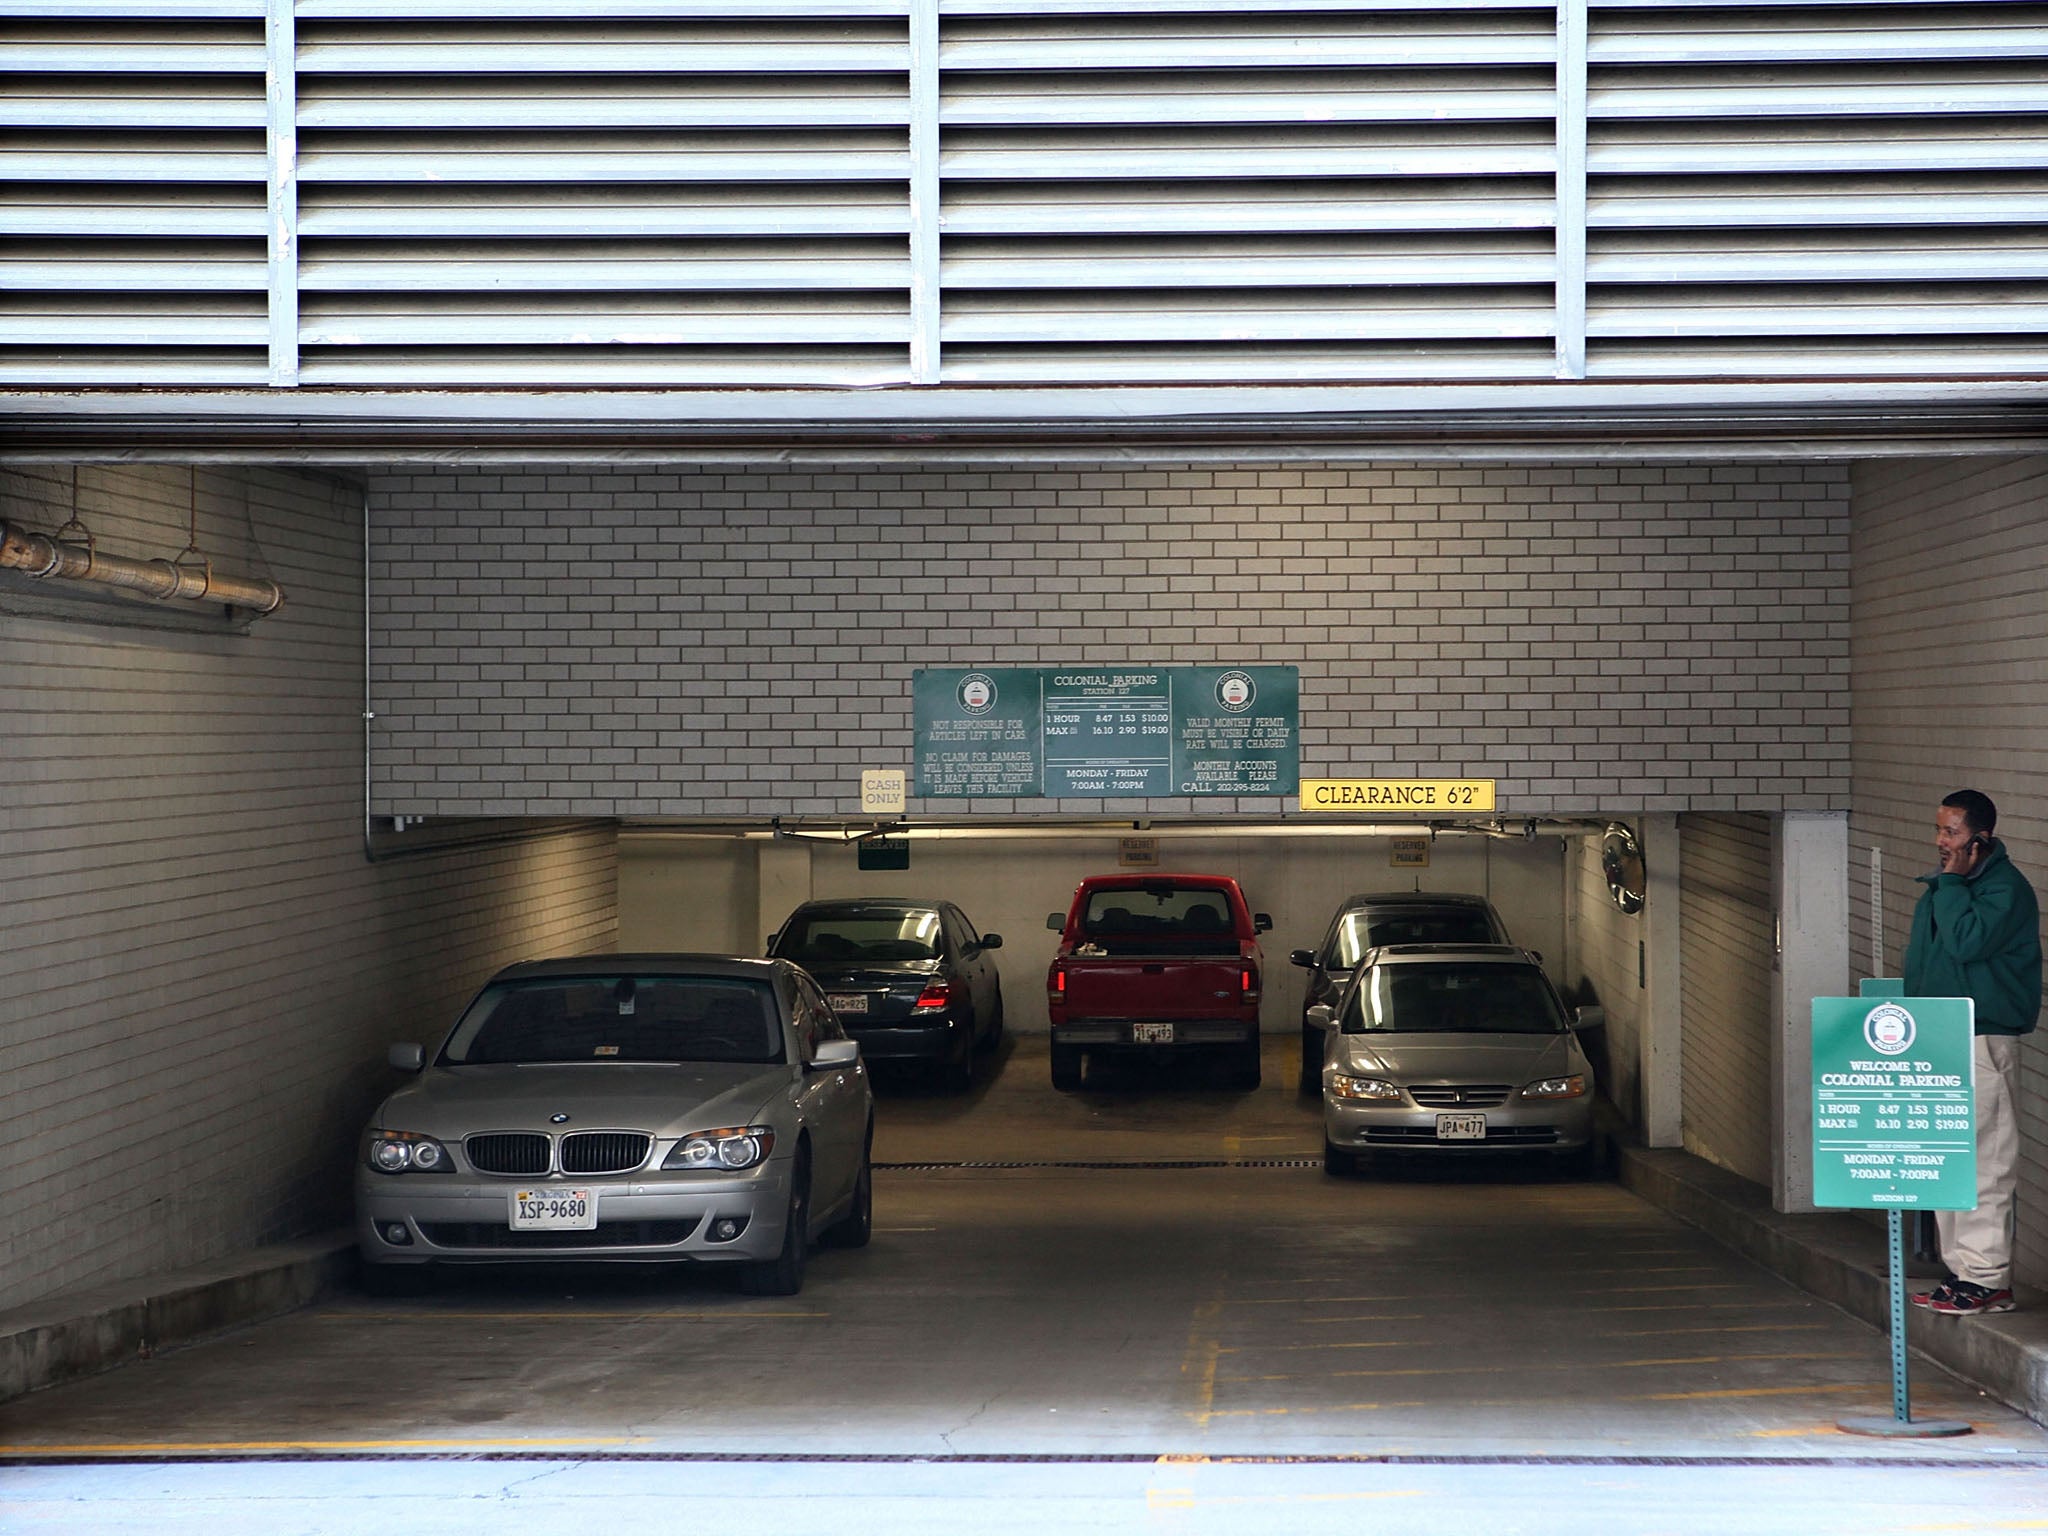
[1594, 637]
[202, 968]
[1949, 647]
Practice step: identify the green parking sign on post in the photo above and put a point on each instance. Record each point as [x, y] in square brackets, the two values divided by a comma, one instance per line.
[1895, 1129]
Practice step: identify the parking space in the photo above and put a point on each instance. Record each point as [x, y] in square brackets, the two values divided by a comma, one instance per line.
[1144, 1269]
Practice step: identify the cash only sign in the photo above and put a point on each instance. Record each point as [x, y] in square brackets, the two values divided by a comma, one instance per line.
[1894, 1129]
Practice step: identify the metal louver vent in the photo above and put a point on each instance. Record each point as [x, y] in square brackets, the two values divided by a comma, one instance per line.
[581, 194]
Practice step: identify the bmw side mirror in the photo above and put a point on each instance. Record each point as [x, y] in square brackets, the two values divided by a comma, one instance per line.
[1588, 1016]
[1305, 958]
[835, 1053]
[408, 1057]
[991, 941]
[1055, 921]
[1262, 922]
[1322, 1016]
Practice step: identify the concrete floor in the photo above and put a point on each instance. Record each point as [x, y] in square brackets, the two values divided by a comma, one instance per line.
[1028, 1309]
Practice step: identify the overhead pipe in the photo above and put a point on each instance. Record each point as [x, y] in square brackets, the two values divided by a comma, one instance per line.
[39, 555]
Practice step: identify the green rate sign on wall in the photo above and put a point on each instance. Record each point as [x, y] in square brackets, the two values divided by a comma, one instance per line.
[1894, 1104]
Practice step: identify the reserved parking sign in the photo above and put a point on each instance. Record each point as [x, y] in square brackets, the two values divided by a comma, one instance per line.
[1894, 1103]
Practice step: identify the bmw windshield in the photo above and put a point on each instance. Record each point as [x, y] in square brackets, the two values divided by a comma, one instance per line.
[618, 1019]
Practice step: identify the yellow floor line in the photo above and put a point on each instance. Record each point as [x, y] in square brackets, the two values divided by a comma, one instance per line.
[466, 1316]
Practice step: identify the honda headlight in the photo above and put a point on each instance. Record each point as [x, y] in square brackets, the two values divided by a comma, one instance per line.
[1573, 1087]
[1369, 1089]
[723, 1150]
[405, 1152]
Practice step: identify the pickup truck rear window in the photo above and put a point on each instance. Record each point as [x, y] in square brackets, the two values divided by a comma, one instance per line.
[1177, 919]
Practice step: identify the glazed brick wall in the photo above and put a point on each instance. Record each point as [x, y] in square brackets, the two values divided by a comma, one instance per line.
[621, 642]
[203, 968]
[1951, 691]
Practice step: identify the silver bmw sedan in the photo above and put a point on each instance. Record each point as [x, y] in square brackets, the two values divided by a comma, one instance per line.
[624, 1107]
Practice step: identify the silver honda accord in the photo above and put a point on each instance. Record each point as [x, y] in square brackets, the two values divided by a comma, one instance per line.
[624, 1107]
[1455, 1048]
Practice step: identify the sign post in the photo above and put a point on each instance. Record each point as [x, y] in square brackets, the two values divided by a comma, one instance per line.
[1894, 1129]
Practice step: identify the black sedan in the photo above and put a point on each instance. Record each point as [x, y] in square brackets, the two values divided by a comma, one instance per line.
[910, 980]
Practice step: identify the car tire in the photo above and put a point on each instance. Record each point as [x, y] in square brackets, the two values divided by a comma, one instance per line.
[858, 1224]
[1338, 1163]
[783, 1275]
[1581, 1162]
[956, 1073]
[1311, 1060]
[388, 1281]
[1066, 1067]
[994, 1037]
[1245, 1068]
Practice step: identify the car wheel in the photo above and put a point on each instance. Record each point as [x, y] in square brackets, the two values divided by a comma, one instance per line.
[1246, 1071]
[391, 1280]
[783, 1275]
[1581, 1162]
[994, 1037]
[1066, 1067]
[956, 1072]
[1311, 1061]
[1338, 1163]
[858, 1224]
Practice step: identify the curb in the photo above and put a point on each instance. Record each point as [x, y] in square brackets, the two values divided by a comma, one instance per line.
[82, 1332]
[1841, 1258]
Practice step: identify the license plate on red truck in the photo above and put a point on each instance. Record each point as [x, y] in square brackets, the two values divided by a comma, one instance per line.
[1152, 1034]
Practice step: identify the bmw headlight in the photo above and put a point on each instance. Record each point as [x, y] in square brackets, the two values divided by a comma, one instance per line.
[405, 1152]
[723, 1150]
[1369, 1089]
[1573, 1087]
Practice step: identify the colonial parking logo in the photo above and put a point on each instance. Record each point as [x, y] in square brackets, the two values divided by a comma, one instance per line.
[1235, 691]
[977, 693]
[1889, 1029]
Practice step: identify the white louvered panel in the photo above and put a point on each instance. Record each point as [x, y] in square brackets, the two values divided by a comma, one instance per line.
[100, 211]
[130, 159]
[1958, 145]
[557, 212]
[1133, 155]
[580, 10]
[161, 106]
[593, 159]
[125, 367]
[1292, 96]
[128, 266]
[1253, 209]
[1815, 187]
[132, 186]
[80, 48]
[1325, 40]
[665, 266]
[618, 48]
[1817, 33]
[1290, 8]
[1824, 256]
[1219, 263]
[674, 101]
[1289, 316]
[604, 368]
[1877, 357]
[669, 320]
[1944, 90]
[1950, 309]
[1442, 361]
[76, 320]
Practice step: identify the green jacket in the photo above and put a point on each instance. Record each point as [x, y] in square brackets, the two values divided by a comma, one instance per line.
[1979, 936]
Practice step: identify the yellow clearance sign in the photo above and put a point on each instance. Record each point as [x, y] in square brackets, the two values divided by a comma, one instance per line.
[1407, 796]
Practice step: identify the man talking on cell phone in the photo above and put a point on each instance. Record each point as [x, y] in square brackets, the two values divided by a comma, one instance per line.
[1977, 934]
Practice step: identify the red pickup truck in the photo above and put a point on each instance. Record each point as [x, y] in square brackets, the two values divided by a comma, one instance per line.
[1151, 963]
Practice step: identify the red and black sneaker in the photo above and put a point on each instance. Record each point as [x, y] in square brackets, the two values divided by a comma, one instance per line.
[1927, 1298]
[1961, 1298]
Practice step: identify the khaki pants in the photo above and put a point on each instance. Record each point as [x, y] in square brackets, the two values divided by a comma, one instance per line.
[1977, 1245]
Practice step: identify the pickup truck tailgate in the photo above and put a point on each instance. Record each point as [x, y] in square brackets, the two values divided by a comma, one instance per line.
[1154, 987]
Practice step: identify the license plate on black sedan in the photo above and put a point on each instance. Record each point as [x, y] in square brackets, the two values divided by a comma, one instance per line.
[554, 1210]
[1461, 1127]
[848, 1002]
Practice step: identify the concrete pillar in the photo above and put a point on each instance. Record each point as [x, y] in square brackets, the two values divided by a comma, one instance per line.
[1663, 1004]
[1810, 896]
[784, 871]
